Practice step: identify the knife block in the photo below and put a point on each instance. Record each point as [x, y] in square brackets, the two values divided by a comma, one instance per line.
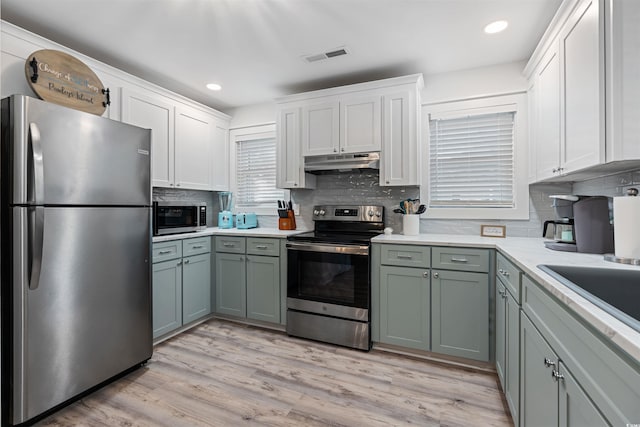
[288, 223]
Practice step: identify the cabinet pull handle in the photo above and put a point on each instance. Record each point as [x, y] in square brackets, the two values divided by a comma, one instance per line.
[557, 376]
[436, 275]
[426, 274]
[505, 273]
[503, 294]
[455, 259]
[179, 262]
[229, 245]
[548, 362]
[164, 252]
[401, 256]
[501, 271]
[261, 246]
[186, 261]
[197, 247]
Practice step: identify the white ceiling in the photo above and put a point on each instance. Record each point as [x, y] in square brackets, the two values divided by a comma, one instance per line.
[254, 48]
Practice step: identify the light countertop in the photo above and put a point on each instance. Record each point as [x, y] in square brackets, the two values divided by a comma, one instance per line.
[216, 231]
[527, 254]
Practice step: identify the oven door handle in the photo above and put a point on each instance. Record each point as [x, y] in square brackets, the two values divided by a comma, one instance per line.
[329, 248]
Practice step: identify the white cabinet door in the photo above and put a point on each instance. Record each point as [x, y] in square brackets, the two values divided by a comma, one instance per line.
[289, 167]
[193, 149]
[360, 123]
[220, 156]
[320, 124]
[400, 164]
[157, 114]
[547, 116]
[582, 53]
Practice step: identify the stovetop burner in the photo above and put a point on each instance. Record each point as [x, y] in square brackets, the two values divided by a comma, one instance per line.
[344, 224]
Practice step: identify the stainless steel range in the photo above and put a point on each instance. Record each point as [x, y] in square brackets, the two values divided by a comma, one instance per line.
[328, 282]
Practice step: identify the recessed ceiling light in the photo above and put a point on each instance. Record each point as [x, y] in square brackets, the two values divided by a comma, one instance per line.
[496, 27]
[214, 86]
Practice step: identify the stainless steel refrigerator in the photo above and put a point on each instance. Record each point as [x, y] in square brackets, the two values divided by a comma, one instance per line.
[76, 244]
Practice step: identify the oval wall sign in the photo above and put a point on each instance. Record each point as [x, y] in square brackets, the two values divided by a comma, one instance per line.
[60, 78]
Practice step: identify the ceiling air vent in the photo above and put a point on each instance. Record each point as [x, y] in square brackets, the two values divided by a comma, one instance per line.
[326, 55]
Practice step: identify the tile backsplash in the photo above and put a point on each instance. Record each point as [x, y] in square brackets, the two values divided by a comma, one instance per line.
[361, 187]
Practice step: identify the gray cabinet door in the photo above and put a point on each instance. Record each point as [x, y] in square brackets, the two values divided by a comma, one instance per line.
[231, 287]
[575, 407]
[196, 287]
[511, 384]
[501, 335]
[460, 314]
[167, 296]
[263, 288]
[404, 306]
[538, 391]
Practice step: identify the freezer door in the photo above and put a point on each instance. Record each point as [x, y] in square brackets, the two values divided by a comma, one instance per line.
[88, 317]
[67, 157]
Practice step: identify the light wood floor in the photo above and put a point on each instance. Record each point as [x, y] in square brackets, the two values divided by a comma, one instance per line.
[224, 374]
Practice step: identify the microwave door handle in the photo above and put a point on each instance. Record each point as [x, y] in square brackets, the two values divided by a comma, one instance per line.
[35, 227]
[35, 186]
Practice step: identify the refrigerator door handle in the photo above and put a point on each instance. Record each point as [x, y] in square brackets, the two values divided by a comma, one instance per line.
[36, 177]
[36, 239]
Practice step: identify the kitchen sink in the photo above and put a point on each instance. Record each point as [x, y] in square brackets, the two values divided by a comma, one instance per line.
[616, 291]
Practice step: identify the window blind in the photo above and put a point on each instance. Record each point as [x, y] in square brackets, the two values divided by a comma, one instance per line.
[256, 174]
[471, 161]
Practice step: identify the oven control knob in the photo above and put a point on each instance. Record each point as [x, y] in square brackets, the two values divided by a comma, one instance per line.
[322, 212]
[371, 213]
[316, 212]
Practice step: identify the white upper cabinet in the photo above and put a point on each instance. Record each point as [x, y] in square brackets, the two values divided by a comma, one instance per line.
[379, 116]
[220, 156]
[584, 89]
[401, 138]
[546, 116]
[155, 113]
[194, 137]
[320, 125]
[360, 120]
[289, 170]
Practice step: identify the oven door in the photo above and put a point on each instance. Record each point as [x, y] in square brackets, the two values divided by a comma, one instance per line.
[330, 274]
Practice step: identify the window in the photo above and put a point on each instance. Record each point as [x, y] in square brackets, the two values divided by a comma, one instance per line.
[476, 157]
[253, 166]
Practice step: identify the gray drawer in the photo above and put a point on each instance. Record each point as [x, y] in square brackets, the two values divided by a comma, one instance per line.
[462, 259]
[263, 246]
[231, 244]
[164, 251]
[509, 275]
[405, 255]
[196, 246]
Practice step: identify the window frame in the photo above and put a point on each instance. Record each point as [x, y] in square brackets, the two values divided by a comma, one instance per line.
[250, 134]
[512, 102]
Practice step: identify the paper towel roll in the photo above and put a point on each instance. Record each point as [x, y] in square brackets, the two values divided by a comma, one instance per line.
[626, 223]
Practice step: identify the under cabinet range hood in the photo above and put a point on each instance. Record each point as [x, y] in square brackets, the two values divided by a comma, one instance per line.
[341, 162]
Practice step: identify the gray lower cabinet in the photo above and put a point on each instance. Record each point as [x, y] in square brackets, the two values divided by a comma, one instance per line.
[508, 282]
[460, 314]
[167, 296]
[570, 374]
[404, 306]
[181, 283]
[248, 278]
[231, 290]
[432, 298]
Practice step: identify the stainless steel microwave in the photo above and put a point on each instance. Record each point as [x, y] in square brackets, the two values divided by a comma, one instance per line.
[178, 217]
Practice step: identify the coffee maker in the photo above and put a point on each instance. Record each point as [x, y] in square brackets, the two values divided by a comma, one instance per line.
[583, 224]
[563, 225]
[225, 216]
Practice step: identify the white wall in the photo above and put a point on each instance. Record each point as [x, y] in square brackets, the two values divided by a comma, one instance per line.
[252, 115]
[476, 82]
[492, 80]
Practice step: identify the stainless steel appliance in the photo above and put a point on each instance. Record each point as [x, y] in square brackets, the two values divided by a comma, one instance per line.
[563, 226]
[328, 281]
[76, 244]
[179, 217]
